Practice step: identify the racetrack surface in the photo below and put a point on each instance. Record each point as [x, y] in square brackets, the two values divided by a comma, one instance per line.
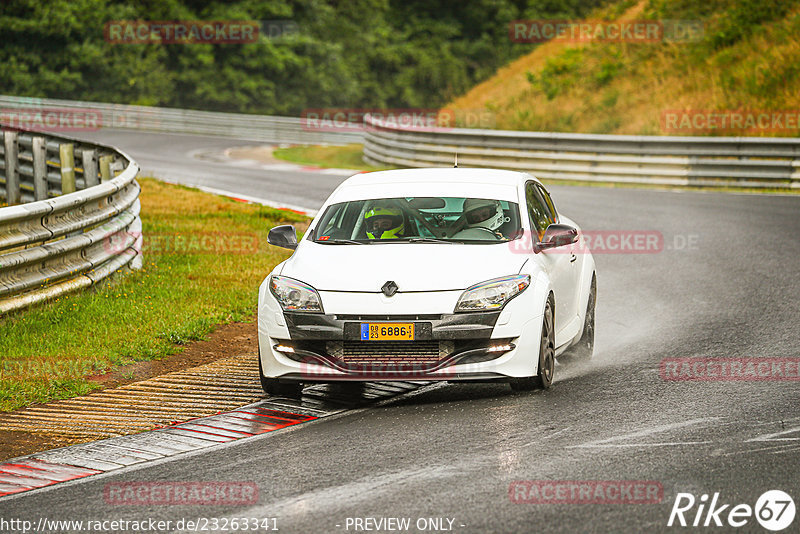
[725, 285]
[179, 158]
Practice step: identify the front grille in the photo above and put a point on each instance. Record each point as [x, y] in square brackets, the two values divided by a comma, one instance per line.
[416, 352]
[390, 357]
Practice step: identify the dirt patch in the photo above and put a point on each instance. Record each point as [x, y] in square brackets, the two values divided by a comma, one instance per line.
[15, 443]
[225, 341]
[262, 154]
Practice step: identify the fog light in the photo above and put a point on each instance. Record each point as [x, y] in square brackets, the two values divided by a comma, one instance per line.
[284, 348]
[500, 348]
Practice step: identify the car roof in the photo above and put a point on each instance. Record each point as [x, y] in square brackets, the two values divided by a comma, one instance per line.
[440, 175]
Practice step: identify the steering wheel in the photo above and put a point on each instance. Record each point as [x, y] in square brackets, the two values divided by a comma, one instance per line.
[418, 216]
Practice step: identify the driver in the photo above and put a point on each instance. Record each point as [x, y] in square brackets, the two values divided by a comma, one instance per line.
[484, 214]
[384, 223]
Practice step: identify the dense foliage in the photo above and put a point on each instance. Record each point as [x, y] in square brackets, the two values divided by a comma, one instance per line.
[357, 53]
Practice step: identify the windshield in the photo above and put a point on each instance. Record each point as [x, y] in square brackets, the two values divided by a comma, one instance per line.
[419, 219]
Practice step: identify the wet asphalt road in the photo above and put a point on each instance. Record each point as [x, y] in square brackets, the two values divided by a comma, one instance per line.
[190, 160]
[726, 285]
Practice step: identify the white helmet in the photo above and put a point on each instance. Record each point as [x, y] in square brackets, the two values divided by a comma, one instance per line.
[483, 213]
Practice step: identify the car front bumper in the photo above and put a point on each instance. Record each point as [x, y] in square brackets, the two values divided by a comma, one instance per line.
[327, 347]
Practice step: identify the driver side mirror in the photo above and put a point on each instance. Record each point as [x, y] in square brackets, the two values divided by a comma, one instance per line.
[557, 235]
[283, 236]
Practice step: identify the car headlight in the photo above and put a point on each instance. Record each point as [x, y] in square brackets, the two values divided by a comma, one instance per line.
[294, 295]
[492, 294]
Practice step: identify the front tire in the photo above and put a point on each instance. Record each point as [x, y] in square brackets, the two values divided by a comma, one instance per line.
[274, 388]
[547, 357]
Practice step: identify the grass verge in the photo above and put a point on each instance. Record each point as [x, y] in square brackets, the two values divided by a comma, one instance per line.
[205, 257]
[336, 157]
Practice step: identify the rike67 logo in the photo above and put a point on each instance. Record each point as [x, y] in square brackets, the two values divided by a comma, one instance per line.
[774, 510]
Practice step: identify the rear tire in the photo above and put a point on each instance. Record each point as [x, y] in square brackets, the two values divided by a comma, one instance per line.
[275, 388]
[547, 358]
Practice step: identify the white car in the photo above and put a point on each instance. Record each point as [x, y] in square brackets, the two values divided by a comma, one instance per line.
[428, 274]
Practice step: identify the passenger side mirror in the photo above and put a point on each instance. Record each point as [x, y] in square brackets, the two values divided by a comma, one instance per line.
[283, 236]
[557, 235]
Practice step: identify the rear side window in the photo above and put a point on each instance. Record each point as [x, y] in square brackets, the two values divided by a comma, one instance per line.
[548, 202]
[538, 213]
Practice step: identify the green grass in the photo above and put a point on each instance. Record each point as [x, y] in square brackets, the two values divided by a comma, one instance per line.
[183, 292]
[336, 157]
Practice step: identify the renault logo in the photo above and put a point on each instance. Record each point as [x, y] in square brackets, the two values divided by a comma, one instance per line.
[389, 288]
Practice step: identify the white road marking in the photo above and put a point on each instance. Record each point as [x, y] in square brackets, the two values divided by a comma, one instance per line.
[774, 436]
[611, 442]
[339, 172]
[534, 442]
[783, 447]
[787, 449]
[621, 445]
[263, 201]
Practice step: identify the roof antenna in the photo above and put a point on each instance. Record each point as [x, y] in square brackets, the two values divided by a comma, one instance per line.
[456, 163]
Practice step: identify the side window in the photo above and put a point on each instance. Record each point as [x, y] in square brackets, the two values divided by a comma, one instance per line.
[336, 221]
[538, 214]
[548, 203]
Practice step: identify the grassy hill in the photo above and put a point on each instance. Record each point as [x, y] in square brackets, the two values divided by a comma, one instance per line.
[747, 59]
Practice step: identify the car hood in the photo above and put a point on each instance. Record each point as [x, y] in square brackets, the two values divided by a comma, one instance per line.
[413, 267]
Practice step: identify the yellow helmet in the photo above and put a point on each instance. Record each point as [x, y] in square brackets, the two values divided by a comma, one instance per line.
[384, 222]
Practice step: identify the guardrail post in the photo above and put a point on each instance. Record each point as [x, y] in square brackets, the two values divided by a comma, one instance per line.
[90, 167]
[67, 154]
[105, 168]
[116, 168]
[39, 149]
[13, 194]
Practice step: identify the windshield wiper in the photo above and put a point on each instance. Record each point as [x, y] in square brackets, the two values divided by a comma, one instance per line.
[427, 240]
[340, 242]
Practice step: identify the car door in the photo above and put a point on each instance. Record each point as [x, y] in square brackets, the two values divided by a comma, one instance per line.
[559, 263]
[576, 260]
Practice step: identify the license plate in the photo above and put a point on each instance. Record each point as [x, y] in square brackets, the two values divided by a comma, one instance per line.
[387, 331]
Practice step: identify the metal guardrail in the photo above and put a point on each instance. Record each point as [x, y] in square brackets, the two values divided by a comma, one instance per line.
[263, 128]
[699, 161]
[68, 224]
